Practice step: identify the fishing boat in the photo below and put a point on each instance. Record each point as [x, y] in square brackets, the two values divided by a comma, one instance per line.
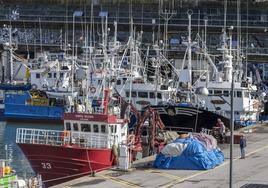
[195, 112]
[32, 106]
[186, 118]
[88, 144]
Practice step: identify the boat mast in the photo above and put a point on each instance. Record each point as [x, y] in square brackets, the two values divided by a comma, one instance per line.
[10, 53]
[190, 12]
[166, 15]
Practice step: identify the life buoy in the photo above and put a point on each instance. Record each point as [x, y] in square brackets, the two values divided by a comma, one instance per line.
[93, 90]
[34, 86]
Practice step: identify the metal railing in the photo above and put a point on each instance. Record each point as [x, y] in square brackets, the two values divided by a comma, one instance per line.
[67, 138]
[180, 130]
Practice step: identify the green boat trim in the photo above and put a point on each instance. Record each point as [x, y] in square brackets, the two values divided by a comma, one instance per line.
[8, 180]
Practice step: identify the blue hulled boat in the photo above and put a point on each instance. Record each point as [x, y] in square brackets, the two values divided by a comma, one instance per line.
[15, 87]
[32, 106]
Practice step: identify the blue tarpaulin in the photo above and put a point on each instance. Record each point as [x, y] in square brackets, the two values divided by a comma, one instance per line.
[195, 156]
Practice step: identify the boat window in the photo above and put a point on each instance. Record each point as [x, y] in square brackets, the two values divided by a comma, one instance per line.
[217, 92]
[49, 75]
[113, 129]
[159, 95]
[85, 127]
[246, 94]
[226, 93]
[152, 95]
[210, 91]
[127, 93]
[75, 126]
[103, 128]
[68, 126]
[95, 128]
[37, 75]
[143, 95]
[239, 94]
[134, 94]
[55, 75]
[118, 82]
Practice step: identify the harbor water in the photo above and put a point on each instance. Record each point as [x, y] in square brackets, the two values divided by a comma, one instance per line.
[10, 150]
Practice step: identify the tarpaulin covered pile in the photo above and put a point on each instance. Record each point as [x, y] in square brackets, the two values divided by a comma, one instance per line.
[196, 152]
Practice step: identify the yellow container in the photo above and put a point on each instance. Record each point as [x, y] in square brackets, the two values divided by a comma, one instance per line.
[7, 170]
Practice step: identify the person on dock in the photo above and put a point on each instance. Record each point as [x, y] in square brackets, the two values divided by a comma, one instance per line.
[243, 145]
[220, 125]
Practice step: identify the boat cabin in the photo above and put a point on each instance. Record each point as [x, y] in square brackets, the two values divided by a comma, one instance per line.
[96, 129]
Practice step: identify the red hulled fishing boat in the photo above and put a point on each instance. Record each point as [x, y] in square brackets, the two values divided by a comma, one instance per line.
[85, 146]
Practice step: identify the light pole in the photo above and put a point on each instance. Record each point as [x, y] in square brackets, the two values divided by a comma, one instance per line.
[232, 115]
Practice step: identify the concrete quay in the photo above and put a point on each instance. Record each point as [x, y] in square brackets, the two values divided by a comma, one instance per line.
[247, 173]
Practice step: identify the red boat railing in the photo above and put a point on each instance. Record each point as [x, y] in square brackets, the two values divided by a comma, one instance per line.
[65, 138]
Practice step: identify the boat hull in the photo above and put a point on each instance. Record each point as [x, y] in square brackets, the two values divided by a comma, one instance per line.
[17, 109]
[34, 114]
[188, 118]
[58, 164]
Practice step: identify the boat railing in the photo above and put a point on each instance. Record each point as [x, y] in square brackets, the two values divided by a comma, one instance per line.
[64, 138]
[180, 130]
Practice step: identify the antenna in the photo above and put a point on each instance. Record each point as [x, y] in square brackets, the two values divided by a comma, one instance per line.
[66, 28]
[225, 14]
[167, 15]
[27, 45]
[40, 34]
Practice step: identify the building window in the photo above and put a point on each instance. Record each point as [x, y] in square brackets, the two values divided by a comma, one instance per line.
[210, 92]
[159, 95]
[49, 75]
[55, 75]
[95, 128]
[143, 95]
[127, 93]
[61, 75]
[85, 127]
[37, 75]
[246, 94]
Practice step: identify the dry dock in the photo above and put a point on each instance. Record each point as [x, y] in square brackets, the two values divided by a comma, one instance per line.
[247, 173]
